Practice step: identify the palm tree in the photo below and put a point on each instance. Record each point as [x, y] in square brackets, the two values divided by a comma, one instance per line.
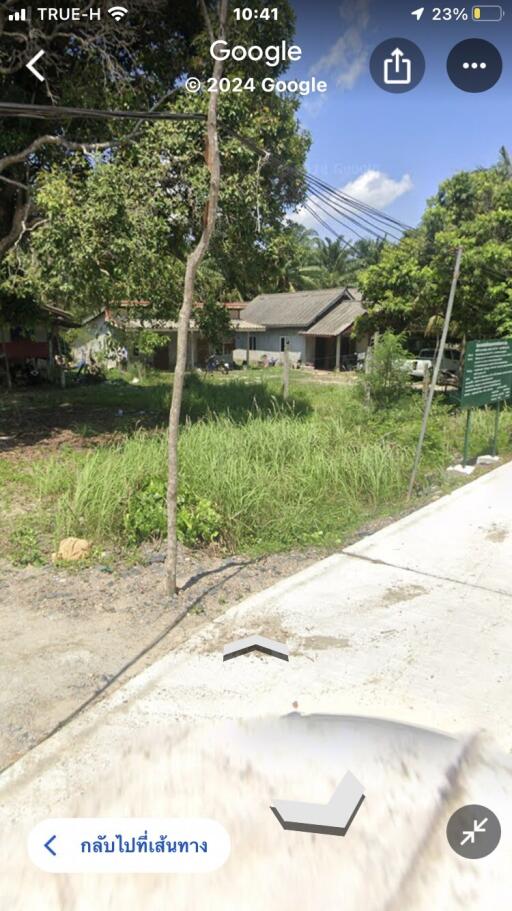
[332, 257]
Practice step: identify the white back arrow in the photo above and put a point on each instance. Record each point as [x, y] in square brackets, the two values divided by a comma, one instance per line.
[31, 67]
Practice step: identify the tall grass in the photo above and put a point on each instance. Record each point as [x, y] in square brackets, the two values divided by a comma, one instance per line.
[276, 482]
[277, 478]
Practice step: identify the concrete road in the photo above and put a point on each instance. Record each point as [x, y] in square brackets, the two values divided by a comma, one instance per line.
[412, 625]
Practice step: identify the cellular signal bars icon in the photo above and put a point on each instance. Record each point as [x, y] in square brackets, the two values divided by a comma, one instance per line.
[20, 16]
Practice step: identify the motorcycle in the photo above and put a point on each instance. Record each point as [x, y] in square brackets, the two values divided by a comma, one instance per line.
[26, 375]
[215, 363]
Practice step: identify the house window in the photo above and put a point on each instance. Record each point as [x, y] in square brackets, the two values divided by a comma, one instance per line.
[252, 343]
[283, 342]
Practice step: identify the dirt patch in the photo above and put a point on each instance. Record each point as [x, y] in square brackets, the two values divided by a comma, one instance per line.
[37, 433]
[69, 634]
[497, 534]
[402, 593]
[324, 642]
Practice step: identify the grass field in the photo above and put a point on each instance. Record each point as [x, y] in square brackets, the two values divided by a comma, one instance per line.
[257, 474]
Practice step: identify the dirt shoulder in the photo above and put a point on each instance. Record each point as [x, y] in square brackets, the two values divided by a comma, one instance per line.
[71, 633]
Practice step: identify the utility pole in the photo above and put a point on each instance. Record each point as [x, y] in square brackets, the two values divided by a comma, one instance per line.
[437, 368]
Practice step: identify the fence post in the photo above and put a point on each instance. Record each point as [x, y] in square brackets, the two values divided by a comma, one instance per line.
[286, 370]
[466, 438]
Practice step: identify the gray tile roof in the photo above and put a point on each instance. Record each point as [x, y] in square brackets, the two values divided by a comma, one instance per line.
[241, 325]
[340, 318]
[299, 309]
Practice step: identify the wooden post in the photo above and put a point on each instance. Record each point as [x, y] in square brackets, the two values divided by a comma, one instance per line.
[496, 429]
[426, 381]
[338, 353]
[51, 361]
[286, 370]
[62, 363]
[7, 366]
[466, 439]
[437, 367]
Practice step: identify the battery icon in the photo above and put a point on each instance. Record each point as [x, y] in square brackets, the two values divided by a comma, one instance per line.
[487, 13]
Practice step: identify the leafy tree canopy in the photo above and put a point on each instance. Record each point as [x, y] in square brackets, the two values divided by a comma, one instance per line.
[118, 225]
[410, 285]
[106, 65]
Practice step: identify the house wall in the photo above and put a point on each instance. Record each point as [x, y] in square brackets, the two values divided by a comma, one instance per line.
[164, 358]
[269, 343]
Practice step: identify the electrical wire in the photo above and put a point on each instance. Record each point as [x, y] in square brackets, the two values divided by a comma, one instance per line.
[363, 223]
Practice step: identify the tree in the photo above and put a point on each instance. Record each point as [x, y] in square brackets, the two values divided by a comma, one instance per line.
[333, 257]
[386, 381]
[120, 225]
[291, 261]
[213, 322]
[193, 262]
[103, 64]
[410, 285]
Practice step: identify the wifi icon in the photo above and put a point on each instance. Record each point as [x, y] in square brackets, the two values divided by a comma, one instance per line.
[118, 12]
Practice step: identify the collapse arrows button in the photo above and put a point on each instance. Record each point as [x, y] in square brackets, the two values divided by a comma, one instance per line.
[253, 643]
[333, 818]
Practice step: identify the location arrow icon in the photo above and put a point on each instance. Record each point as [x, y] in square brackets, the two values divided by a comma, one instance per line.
[418, 12]
[31, 67]
[333, 818]
[256, 643]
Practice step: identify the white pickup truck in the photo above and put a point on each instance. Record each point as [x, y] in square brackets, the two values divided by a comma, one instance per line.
[426, 359]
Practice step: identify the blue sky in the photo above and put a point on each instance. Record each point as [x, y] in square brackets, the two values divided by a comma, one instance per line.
[394, 150]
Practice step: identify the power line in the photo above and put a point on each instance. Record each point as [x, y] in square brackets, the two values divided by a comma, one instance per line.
[361, 221]
[358, 204]
[338, 236]
[57, 112]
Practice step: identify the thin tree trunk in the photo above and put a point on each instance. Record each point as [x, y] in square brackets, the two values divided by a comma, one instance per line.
[193, 262]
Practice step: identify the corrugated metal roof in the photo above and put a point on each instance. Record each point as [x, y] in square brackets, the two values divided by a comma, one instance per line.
[338, 319]
[299, 309]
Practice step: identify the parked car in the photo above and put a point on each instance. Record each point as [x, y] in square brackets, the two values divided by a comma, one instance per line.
[427, 358]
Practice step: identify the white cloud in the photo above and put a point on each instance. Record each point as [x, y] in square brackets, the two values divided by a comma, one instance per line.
[372, 187]
[377, 189]
[348, 56]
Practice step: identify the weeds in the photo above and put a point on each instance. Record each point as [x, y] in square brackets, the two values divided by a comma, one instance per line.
[256, 475]
[24, 547]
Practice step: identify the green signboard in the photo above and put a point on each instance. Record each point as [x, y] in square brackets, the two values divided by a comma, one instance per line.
[487, 373]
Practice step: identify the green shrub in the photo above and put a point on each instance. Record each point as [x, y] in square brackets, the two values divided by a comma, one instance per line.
[198, 522]
[386, 380]
[25, 547]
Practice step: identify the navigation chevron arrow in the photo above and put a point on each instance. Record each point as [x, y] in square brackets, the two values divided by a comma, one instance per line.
[253, 643]
[333, 818]
[48, 843]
